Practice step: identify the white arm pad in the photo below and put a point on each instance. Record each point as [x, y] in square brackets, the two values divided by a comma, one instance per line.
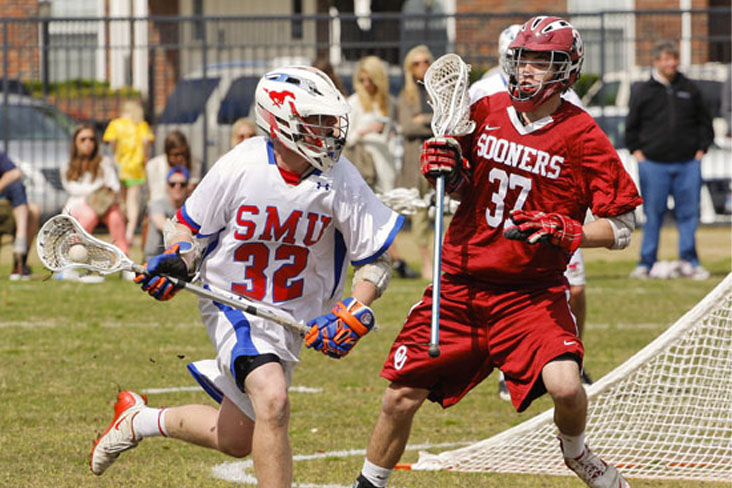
[622, 226]
[377, 272]
[171, 233]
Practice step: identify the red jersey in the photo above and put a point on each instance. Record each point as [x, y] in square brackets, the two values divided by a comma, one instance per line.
[562, 163]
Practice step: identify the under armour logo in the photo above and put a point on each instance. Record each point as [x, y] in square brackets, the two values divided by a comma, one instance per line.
[400, 357]
[323, 185]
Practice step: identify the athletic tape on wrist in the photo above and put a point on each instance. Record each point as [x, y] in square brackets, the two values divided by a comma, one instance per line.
[622, 226]
[377, 272]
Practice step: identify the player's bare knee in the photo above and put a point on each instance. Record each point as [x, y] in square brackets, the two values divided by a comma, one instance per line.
[400, 401]
[568, 395]
[273, 408]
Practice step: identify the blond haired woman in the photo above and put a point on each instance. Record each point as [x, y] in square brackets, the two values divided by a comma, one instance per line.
[371, 124]
[415, 116]
[371, 127]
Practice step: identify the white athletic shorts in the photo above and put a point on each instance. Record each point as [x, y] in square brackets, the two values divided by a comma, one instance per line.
[576, 269]
[236, 334]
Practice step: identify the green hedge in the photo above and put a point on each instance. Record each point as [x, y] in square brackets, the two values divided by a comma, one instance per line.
[80, 88]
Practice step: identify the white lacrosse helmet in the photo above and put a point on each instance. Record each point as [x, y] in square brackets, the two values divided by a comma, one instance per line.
[287, 96]
[506, 37]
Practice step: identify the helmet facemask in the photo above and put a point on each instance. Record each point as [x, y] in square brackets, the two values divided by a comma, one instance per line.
[551, 74]
[321, 137]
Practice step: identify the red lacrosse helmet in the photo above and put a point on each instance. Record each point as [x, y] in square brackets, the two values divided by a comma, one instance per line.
[561, 47]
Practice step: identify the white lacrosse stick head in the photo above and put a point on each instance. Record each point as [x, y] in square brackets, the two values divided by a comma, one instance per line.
[62, 232]
[446, 81]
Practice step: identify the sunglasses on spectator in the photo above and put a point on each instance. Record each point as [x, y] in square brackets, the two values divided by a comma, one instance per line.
[179, 184]
[85, 139]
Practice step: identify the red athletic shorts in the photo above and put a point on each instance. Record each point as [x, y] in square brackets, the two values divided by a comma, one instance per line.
[481, 328]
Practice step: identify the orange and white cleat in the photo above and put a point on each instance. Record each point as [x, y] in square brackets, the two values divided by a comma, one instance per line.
[120, 435]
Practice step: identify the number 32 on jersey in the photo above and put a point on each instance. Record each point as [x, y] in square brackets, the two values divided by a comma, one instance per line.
[289, 262]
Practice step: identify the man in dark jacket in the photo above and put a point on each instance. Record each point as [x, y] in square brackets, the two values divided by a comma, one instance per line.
[668, 130]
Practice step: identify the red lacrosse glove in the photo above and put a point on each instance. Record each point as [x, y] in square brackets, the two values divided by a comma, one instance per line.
[441, 156]
[335, 333]
[553, 228]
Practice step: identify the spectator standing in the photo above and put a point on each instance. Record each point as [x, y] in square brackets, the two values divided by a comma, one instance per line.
[177, 152]
[162, 209]
[25, 214]
[130, 138]
[503, 292]
[91, 181]
[372, 126]
[668, 129]
[415, 115]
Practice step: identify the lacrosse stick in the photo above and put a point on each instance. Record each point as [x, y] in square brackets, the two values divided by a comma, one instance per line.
[61, 233]
[407, 201]
[446, 81]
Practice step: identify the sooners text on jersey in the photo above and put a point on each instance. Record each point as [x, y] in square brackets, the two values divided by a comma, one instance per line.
[563, 163]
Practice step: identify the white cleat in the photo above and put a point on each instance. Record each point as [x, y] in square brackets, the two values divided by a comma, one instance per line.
[595, 472]
[120, 435]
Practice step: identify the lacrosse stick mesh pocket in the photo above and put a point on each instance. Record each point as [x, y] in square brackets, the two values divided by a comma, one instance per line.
[60, 233]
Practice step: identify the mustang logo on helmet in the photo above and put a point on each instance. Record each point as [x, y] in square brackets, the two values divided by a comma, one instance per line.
[278, 98]
[300, 108]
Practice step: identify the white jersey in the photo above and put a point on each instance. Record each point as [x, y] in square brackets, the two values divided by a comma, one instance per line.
[285, 247]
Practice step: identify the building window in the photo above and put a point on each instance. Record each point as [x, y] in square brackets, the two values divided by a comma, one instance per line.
[198, 25]
[296, 25]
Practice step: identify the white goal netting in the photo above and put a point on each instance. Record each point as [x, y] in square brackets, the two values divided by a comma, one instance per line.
[666, 413]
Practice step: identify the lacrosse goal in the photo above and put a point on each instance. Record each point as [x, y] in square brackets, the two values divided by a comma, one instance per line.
[666, 413]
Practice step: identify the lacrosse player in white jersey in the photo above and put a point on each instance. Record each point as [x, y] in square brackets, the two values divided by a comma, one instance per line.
[493, 81]
[276, 221]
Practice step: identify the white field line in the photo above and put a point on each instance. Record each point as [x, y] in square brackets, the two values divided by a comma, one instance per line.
[154, 391]
[238, 471]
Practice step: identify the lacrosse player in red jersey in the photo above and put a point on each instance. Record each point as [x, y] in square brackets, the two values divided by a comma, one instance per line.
[276, 221]
[526, 177]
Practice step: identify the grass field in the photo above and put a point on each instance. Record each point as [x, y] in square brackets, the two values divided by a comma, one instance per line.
[67, 348]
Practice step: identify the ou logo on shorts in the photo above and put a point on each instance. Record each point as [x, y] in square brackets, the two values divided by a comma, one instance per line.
[400, 357]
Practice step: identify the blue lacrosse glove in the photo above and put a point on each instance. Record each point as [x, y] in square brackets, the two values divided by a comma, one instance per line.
[156, 282]
[335, 333]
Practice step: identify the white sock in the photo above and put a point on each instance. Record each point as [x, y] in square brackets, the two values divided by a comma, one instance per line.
[150, 422]
[572, 445]
[376, 475]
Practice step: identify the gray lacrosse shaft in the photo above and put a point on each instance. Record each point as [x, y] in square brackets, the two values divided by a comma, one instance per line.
[434, 349]
[250, 309]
